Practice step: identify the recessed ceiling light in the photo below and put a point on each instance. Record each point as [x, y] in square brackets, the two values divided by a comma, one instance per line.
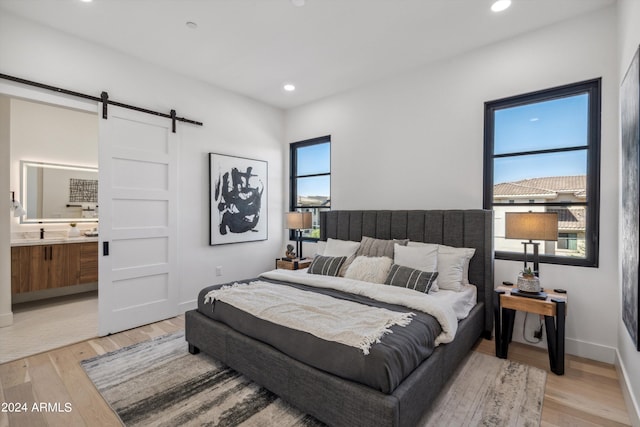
[191, 25]
[289, 87]
[86, 1]
[500, 5]
[298, 3]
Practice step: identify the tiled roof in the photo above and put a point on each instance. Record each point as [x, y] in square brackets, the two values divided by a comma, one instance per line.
[570, 218]
[547, 187]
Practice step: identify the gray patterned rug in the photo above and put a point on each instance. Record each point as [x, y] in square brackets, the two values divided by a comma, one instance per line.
[159, 383]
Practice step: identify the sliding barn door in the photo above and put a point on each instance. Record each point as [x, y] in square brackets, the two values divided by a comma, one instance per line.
[138, 220]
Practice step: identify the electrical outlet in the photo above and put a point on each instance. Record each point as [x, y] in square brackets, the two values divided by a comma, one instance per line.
[219, 270]
[538, 334]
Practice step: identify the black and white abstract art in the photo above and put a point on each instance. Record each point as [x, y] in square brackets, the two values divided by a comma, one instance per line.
[238, 191]
[83, 190]
[630, 132]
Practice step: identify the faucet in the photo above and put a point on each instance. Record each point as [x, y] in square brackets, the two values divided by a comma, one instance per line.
[42, 233]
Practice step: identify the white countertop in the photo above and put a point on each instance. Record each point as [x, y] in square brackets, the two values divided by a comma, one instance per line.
[54, 240]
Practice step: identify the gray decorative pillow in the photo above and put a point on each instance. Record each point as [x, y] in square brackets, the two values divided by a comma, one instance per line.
[407, 277]
[378, 247]
[326, 265]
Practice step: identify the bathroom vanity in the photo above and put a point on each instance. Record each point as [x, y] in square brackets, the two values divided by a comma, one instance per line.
[38, 264]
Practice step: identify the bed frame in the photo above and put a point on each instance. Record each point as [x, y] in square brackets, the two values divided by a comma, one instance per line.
[339, 402]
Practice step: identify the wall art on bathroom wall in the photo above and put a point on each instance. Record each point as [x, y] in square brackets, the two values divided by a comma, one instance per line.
[83, 190]
[238, 199]
[630, 138]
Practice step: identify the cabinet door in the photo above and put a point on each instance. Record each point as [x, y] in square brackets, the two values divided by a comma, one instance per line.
[38, 263]
[88, 262]
[20, 269]
[57, 264]
[70, 260]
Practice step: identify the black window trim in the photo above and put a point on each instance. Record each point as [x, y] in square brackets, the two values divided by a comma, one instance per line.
[592, 231]
[293, 166]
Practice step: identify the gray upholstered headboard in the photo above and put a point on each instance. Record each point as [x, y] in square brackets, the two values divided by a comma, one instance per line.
[460, 228]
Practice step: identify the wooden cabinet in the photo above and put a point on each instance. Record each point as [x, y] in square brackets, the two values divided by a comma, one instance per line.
[88, 262]
[38, 267]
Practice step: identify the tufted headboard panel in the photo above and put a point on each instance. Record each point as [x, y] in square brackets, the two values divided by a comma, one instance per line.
[459, 228]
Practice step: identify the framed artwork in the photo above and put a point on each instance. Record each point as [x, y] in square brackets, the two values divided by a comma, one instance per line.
[238, 199]
[630, 132]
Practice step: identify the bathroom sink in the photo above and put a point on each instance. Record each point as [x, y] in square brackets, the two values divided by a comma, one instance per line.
[34, 240]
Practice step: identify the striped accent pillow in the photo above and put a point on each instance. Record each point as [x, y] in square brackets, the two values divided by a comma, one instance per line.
[407, 277]
[326, 265]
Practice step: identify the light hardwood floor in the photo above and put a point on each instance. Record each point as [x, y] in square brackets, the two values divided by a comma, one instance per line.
[587, 395]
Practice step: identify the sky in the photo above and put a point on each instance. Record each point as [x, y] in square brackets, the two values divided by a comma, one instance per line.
[558, 123]
[312, 160]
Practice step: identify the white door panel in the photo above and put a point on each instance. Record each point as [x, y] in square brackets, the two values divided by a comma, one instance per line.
[138, 220]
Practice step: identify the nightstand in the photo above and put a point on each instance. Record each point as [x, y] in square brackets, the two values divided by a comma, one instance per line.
[554, 310]
[292, 265]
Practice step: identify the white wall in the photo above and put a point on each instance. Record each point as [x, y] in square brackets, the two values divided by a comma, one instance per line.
[233, 125]
[46, 133]
[6, 316]
[416, 141]
[629, 40]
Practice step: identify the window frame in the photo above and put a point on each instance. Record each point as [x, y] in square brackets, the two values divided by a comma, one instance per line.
[293, 166]
[592, 205]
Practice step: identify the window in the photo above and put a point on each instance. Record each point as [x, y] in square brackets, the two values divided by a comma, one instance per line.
[542, 154]
[568, 241]
[310, 185]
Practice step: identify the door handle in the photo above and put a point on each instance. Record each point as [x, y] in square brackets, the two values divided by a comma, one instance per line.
[105, 248]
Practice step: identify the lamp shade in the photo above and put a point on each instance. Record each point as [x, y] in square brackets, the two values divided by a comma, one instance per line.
[531, 225]
[298, 220]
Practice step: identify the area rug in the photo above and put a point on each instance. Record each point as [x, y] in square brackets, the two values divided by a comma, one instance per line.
[159, 383]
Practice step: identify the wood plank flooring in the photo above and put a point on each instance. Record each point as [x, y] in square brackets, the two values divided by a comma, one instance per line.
[587, 395]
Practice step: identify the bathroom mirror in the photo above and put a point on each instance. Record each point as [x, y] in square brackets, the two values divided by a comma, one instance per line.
[58, 193]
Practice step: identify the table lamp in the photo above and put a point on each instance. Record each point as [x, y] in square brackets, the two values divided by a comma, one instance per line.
[298, 221]
[532, 226]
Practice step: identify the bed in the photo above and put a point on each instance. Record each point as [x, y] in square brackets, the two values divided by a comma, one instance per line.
[342, 402]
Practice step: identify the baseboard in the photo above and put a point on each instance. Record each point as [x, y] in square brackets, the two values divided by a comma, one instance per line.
[633, 408]
[188, 305]
[589, 350]
[6, 319]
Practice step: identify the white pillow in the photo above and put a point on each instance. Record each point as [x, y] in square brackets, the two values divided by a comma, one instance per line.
[320, 247]
[337, 247]
[450, 271]
[369, 269]
[465, 253]
[423, 257]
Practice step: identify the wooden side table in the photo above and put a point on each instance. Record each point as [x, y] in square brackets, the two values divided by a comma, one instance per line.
[554, 310]
[295, 264]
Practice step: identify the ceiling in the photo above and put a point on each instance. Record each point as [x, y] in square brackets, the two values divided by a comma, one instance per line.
[253, 47]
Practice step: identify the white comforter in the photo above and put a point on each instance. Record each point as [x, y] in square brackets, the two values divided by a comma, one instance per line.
[426, 303]
[332, 319]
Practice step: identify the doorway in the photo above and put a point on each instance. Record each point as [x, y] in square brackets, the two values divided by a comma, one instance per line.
[62, 309]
